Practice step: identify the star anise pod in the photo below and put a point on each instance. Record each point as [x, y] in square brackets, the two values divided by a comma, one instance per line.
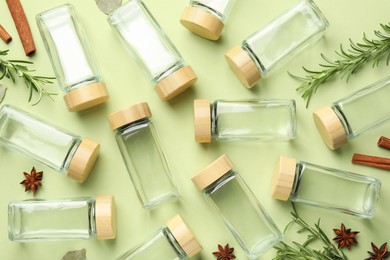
[345, 237]
[224, 253]
[33, 180]
[379, 253]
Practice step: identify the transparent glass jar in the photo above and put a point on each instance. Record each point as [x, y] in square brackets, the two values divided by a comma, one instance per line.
[72, 58]
[143, 155]
[172, 242]
[266, 120]
[64, 219]
[325, 187]
[152, 49]
[248, 221]
[277, 42]
[39, 140]
[353, 115]
[206, 18]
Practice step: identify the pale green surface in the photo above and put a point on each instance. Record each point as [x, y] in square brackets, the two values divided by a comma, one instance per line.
[174, 122]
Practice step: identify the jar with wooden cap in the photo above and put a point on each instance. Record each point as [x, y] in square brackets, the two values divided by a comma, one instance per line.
[43, 142]
[72, 58]
[241, 212]
[206, 18]
[152, 49]
[325, 187]
[226, 120]
[143, 155]
[171, 242]
[40, 220]
[354, 114]
[277, 42]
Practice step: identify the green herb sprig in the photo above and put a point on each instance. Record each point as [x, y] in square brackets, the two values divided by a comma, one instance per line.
[13, 68]
[350, 61]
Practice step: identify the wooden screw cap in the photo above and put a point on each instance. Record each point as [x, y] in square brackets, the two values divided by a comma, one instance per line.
[86, 96]
[243, 66]
[105, 213]
[184, 236]
[175, 83]
[330, 127]
[83, 160]
[283, 180]
[202, 121]
[202, 23]
[128, 115]
[213, 172]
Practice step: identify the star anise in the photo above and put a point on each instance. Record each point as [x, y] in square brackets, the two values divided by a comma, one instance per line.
[33, 180]
[224, 253]
[379, 253]
[345, 237]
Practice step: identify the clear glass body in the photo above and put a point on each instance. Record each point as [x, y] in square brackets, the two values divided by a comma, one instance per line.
[266, 120]
[44, 220]
[162, 245]
[285, 36]
[219, 8]
[250, 224]
[145, 40]
[146, 163]
[68, 48]
[364, 109]
[334, 189]
[37, 139]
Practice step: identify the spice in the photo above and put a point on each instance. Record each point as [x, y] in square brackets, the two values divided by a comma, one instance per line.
[373, 161]
[384, 142]
[5, 35]
[3, 90]
[224, 253]
[76, 255]
[33, 180]
[379, 253]
[345, 237]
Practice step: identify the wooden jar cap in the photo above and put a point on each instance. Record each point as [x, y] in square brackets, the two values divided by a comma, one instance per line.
[184, 236]
[283, 180]
[202, 121]
[105, 213]
[83, 160]
[330, 127]
[202, 23]
[128, 115]
[175, 83]
[243, 66]
[213, 172]
[86, 96]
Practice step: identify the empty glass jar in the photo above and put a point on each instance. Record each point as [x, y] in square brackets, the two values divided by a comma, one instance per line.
[276, 42]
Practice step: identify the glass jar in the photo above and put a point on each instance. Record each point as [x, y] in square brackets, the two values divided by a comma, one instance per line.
[206, 18]
[243, 215]
[353, 115]
[143, 155]
[266, 120]
[152, 49]
[65, 219]
[39, 140]
[324, 187]
[72, 58]
[172, 242]
[276, 42]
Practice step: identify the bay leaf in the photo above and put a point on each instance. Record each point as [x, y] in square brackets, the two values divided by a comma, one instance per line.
[76, 255]
[108, 6]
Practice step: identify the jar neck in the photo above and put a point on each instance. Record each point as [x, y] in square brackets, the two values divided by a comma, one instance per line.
[133, 125]
[299, 169]
[228, 176]
[92, 216]
[340, 114]
[173, 242]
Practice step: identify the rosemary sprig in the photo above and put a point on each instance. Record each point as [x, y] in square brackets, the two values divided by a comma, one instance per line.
[350, 61]
[12, 68]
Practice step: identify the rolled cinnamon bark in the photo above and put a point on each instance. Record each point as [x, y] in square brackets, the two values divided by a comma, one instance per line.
[5, 35]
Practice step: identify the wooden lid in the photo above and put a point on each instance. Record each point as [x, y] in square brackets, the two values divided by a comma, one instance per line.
[105, 213]
[86, 96]
[283, 180]
[175, 83]
[243, 66]
[330, 127]
[202, 121]
[202, 23]
[83, 160]
[213, 172]
[184, 236]
[128, 115]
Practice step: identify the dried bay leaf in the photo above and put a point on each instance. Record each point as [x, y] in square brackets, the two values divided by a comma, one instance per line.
[108, 6]
[3, 90]
[76, 255]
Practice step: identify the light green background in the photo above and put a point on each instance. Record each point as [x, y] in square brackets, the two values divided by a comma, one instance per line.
[174, 122]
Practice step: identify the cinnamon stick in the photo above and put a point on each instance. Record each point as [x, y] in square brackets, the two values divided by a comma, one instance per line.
[5, 35]
[384, 142]
[373, 161]
[22, 26]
